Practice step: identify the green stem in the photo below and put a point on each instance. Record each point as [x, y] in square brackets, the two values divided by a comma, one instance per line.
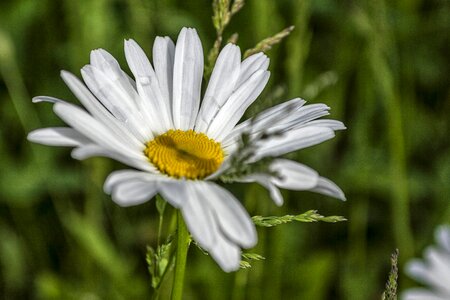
[183, 241]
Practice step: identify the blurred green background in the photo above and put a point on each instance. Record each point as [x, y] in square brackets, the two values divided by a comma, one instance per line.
[383, 67]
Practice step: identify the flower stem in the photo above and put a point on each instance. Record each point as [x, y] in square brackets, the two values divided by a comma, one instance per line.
[183, 241]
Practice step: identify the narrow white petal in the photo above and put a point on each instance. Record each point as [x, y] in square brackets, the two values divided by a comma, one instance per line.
[226, 254]
[293, 140]
[119, 177]
[301, 117]
[265, 119]
[94, 130]
[421, 294]
[105, 62]
[97, 110]
[267, 182]
[439, 266]
[93, 150]
[233, 110]
[198, 216]
[134, 192]
[57, 136]
[332, 124]
[117, 101]
[221, 85]
[293, 176]
[187, 79]
[175, 192]
[329, 188]
[156, 107]
[442, 235]
[250, 65]
[49, 99]
[163, 59]
[234, 220]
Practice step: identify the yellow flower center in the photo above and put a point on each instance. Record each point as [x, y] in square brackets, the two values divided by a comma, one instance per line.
[187, 154]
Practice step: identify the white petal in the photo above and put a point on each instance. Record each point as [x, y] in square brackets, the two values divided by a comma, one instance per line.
[332, 124]
[293, 140]
[198, 216]
[98, 111]
[221, 85]
[117, 101]
[233, 110]
[234, 220]
[94, 130]
[421, 294]
[267, 182]
[293, 176]
[265, 119]
[105, 62]
[155, 106]
[329, 188]
[439, 266]
[163, 59]
[250, 65]
[226, 254]
[301, 117]
[93, 150]
[187, 79]
[39, 99]
[175, 192]
[57, 136]
[134, 192]
[119, 177]
[442, 235]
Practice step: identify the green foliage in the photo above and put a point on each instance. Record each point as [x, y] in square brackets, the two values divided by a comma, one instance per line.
[247, 258]
[267, 44]
[160, 262]
[390, 293]
[307, 217]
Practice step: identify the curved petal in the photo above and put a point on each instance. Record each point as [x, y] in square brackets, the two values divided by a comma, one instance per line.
[97, 110]
[175, 192]
[119, 177]
[233, 110]
[57, 136]
[421, 294]
[267, 182]
[94, 130]
[293, 176]
[220, 86]
[93, 150]
[233, 219]
[134, 192]
[163, 59]
[253, 63]
[329, 188]
[293, 140]
[118, 102]
[156, 107]
[226, 254]
[198, 217]
[105, 62]
[442, 235]
[187, 79]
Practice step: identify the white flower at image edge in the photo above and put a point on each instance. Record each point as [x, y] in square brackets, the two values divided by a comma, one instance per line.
[433, 271]
[179, 144]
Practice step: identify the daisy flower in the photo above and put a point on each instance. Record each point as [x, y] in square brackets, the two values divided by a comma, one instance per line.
[180, 143]
[433, 271]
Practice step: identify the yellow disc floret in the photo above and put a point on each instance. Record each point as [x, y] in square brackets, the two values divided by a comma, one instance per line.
[187, 154]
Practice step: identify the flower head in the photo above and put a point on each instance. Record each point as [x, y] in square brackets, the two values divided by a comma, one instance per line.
[433, 271]
[179, 145]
